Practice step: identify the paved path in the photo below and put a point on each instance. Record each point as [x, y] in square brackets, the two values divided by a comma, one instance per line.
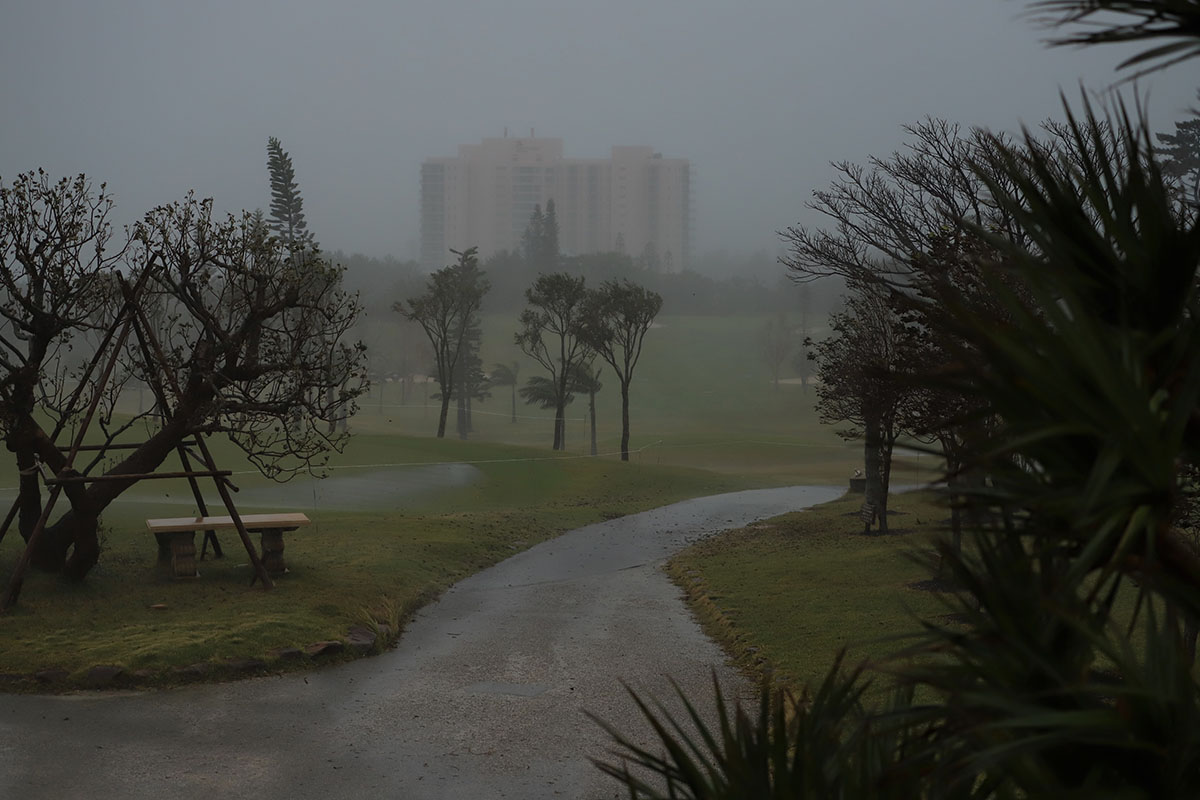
[484, 697]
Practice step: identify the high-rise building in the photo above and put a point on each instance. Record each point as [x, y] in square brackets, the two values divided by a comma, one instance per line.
[636, 202]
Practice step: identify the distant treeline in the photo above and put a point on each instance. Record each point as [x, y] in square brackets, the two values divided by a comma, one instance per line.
[744, 287]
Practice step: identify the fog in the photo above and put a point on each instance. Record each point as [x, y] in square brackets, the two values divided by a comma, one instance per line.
[156, 98]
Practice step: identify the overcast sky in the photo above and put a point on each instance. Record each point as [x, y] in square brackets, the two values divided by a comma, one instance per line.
[157, 97]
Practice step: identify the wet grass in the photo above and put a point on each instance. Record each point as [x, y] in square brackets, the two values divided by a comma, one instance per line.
[702, 397]
[785, 595]
[706, 419]
[348, 569]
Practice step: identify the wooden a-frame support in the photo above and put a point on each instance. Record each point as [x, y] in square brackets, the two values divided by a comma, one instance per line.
[183, 449]
[130, 318]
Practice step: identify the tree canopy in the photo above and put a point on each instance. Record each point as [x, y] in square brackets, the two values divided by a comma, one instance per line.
[447, 313]
[287, 206]
[246, 343]
[615, 321]
[1180, 154]
[862, 366]
[551, 334]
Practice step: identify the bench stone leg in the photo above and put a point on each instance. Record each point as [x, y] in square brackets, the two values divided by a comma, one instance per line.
[164, 549]
[183, 555]
[272, 552]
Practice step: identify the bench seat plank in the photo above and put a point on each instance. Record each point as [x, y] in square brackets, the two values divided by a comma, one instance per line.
[251, 521]
[176, 538]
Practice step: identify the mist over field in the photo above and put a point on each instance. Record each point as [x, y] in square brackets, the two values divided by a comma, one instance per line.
[765, 105]
[443, 391]
[160, 98]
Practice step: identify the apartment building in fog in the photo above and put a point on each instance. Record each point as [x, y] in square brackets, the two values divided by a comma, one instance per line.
[636, 202]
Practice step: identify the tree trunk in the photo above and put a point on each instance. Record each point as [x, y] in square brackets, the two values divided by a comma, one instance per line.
[514, 401]
[83, 530]
[461, 418]
[886, 442]
[592, 414]
[30, 491]
[876, 490]
[76, 531]
[953, 480]
[443, 414]
[624, 420]
[558, 426]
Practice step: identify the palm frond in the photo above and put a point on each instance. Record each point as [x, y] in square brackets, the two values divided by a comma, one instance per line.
[1112, 21]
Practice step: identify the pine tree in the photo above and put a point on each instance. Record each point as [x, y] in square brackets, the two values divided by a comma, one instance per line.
[1180, 153]
[539, 243]
[531, 241]
[550, 252]
[287, 206]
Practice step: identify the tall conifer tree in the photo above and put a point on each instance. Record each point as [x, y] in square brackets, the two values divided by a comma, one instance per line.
[550, 252]
[1180, 153]
[532, 239]
[287, 206]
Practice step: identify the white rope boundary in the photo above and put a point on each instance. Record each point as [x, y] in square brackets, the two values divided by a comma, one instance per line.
[529, 459]
[368, 406]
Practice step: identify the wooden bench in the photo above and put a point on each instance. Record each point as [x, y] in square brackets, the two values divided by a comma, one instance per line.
[177, 538]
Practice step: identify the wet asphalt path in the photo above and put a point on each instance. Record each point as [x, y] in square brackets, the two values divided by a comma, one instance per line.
[483, 698]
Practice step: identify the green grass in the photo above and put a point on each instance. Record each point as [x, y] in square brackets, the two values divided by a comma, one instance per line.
[701, 396]
[785, 595]
[349, 568]
[705, 419]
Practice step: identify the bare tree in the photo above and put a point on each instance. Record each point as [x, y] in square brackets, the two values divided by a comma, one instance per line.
[232, 334]
[1039, 686]
[551, 334]
[916, 231]
[587, 379]
[56, 266]
[859, 366]
[446, 312]
[617, 318]
[881, 215]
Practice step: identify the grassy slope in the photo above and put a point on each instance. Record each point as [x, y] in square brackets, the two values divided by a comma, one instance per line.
[786, 594]
[354, 568]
